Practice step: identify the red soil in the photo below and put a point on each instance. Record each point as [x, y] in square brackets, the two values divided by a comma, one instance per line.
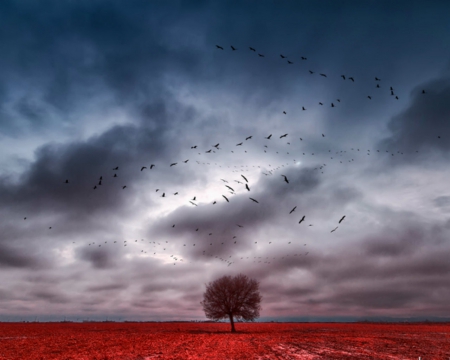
[142, 341]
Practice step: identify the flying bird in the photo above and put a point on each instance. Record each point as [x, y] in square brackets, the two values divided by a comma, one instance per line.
[226, 198]
[144, 167]
[116, 168]
[244, 178]
[229, 187]
[173, 164]
[341, 219]
[311, 72]
[67, 181]
[246, 186]
[123, 187]
[282, 56]
[268, 138]
[193, 203]
[285, 179]
[350, 78]
[219, 47]
[304, 58]
[239, 144]
[254, 200]
[282, 136]
[334, 229]
[152, 166]
[290, 62]
[249, 137]
[252, 49]
[323, 75]
[261, 55]
[302, 219]
[233, 48]
[293, 210]
[343, 76]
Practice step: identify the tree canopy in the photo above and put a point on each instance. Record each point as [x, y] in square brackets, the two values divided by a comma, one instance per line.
[232, 297]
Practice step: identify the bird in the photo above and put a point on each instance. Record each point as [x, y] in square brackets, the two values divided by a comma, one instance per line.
[123, 187]
[246, 186]
[173, 164]
[268, 138]
[152, 166]
[323, 135]
[285, 179]
[376, 79]
[343, 76]
[254, 200]
[194, 147]
[193, 203]
[208, 151]
[252, 49]
[304, 58]
[293, 210]
[226, 198]
[116, 168]
[303, 108]
[290, 62]
[67, 181]
[302, 219]
[248, 137]
[334, 229]
[350, 78]
[311, 72]
[219, 47]
[244, 178]
[144, 167]
[423, 91]
[282, 56]
[332, 105]
[233, 48]
[370, 98]
[341, 219]
[239, 144]
[216, 146]
[239, 226]
[284, 112]
[323, 75]
[229, 187]
[115, 175]
[195, 197]
[261, 55]
[282, 136]
[163, 195]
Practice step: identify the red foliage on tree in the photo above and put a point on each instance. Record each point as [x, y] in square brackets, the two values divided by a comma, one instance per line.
[232, 297]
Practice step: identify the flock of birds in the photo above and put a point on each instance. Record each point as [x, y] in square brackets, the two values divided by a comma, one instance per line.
[243, 180]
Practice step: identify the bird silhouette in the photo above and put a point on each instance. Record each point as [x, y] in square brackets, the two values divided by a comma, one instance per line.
[173, 164]
[341, 219]
[233, 48]
[152, 166]
[343, 76]
[246, 186]
[268, 138]
[248, 137]
[323, 75]
[282, 56]
[295, 207]
[252, 49]
[226, 198]
[350, 78]
[244, 178]
[334, 229]
[239, 144]
[376, 79]
[282, 136]
[67, 181]
[285, 179]
[302, 219]
[116, 168]
[219, 47]
[254, 200]
[290, 62]
[123, 187]
[261, 55]
[304, 58]
[144, 167]
[311, 72]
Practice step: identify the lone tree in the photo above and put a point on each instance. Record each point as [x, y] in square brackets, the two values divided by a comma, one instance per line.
[229, 297]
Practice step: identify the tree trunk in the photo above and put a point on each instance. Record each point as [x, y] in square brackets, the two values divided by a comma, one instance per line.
[232, 323]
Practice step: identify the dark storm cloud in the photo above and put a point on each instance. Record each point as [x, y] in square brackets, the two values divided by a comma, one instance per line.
[13, 257]
[82, 163]
[99, 258]
[419, 126]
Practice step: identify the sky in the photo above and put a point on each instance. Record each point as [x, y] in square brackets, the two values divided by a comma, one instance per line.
[340, 110]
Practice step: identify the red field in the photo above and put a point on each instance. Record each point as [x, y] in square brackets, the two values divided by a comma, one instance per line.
[133, 341]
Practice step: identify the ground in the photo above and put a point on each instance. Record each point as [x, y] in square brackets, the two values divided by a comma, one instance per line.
[259, 341]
